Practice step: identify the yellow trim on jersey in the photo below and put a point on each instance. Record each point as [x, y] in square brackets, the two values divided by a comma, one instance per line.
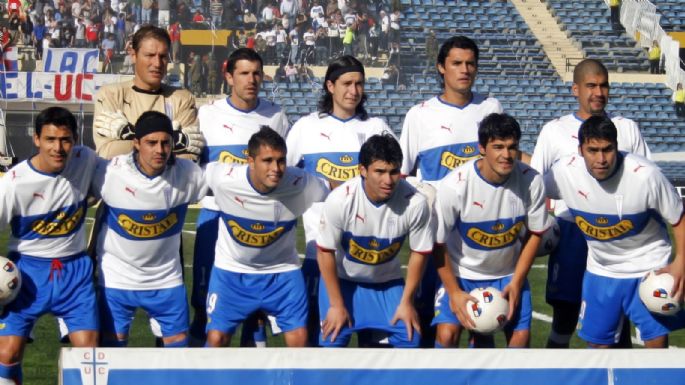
[335, 172]
[604, 233]
[251, 238]
[227, 157]
[146, 230]
[452, 160]
[490, 240]
[373, 257]
[63, 225]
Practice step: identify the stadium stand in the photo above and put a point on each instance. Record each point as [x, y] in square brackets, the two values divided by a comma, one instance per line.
[673, 14]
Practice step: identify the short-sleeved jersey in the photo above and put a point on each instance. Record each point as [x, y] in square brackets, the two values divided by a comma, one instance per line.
[367, 237]
[481, 222]
[257, 231]
[138, 243]
[621, 217]
[559, 138]
[437, 137]
[176, 103]
[46, 211]
[227, 129]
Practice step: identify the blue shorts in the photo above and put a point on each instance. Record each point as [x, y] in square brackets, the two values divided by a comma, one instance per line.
[522, 315]
[207, 231]
[566, 265]
[63, 287]
[371, 306]
[169, 307]
[234, 296]
[606, 300]
[312, 276]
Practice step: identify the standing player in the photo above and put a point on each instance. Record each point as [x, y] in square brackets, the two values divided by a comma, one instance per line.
[620, 202]
[44, 201]
[363, 225]
[118, 106]
[557, 139]
[482, 207]
[146, 194]
[256, 267]
[326, 143]
[227, 125]
[442, 133]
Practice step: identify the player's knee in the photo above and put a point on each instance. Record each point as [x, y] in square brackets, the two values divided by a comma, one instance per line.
[217, 339]
[296, 338]
[446, 335]
[84, 339]
[10, 350]
[179, 340]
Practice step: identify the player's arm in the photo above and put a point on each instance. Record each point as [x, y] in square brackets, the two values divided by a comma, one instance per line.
[112, 132]
[337, 316]
[188, 140]
[677, 267]
[406, 312]
[408, 145]
[512, 292]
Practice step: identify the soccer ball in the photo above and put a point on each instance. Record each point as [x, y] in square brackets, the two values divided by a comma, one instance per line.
[655, 293]
[549, 241]
[10, 281]
[490, 313]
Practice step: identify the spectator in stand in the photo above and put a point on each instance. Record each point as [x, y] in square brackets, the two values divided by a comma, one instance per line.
[348, 40]
[68, 39]
[390, 75]
[279, 76]
[163, 13]
[213, 80]
[281, 43]
[268, 14]
[249, 40]
[308, 54]
[216, 11]
[147, 6]
[107, 48]
[289, 10]
[331, 8]
[654, 56]
[322, 46]
[260, 45]
[249, 20]
[92, 34]
[13, 27]
[431, 51]
[135, 7]
[175, 34]
[350, 17]
[26, 29]
[316, 10]
[291, 73]
[615, 8]
[294, 37]
[127, 66]
[121, 31]
[232, 42]
[305, 73]
[198, 19]
[394, 34]
[38, 34]
[679, 98]
[373, 39]
[13, 8]
[394, 56]
[196, 75]
[270, 37]
[362, 35]
[80, 34]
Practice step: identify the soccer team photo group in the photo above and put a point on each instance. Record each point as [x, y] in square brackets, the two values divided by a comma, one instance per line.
[225, 223]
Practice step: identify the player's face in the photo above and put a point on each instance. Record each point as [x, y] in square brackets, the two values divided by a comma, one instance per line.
[600, 157]
[245, 83]
[380, 179]
[459, 71]
[499, 157]
[54, 147]
[592, 94]
[266, 168]
[347, 93]
[154, 150]
[150, 62]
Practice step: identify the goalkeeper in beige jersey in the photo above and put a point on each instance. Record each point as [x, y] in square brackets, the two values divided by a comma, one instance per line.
[119, 105]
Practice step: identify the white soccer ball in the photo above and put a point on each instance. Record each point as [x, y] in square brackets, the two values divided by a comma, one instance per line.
[490, 313]
[550, 240]
[10, 281]
[655, 292]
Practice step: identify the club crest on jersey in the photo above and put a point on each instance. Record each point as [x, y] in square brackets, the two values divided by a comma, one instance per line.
[338, 172]
[451, 160]
[253, 237]
[227, 157]
[502, 238]
[62, 224]
[149, 227]
[602, 232]
[373, 254]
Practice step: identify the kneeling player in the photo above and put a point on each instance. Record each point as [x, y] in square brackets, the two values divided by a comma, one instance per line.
[620, 202]
[146, 194]
[256, 265]
[362, 228]
[482, 206]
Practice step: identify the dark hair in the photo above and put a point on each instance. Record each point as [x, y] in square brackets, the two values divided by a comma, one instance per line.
[152, 121]
[498, 126]
[242, 54]
[597, 127]
[57, 116]
[589, 66]
[460, 41]
[336, 68]
[266, 136]
[383, 147]
[150, 31]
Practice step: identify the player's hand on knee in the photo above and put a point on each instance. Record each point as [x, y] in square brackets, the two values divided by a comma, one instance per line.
[407, 313]
[188, 141]
[113, 125]
[336, 319]
[458, 302]
[512, 294]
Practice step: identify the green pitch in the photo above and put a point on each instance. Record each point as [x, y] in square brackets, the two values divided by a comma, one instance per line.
[40, 358]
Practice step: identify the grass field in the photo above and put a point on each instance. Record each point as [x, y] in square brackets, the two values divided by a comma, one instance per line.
[40, 360]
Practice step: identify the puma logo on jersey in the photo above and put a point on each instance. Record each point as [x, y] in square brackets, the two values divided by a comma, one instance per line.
[459, 178]
[570, 162]
[639, 166]
[14, 175]
[229, 127]
[325, 135]
[478, 204]
[446, 128]
[239, 200]
[574, 137]
[297, 180]
[583, 194]
[38, 195]
[229, 172]
[130, 191]
[525, 171]
[359, 217]
[78, 153]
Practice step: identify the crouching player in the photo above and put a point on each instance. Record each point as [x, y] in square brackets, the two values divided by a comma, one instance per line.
[146, 194]
[256, 265]
[363, 226]
[44, 200]
[482, 206]
[619, 202]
